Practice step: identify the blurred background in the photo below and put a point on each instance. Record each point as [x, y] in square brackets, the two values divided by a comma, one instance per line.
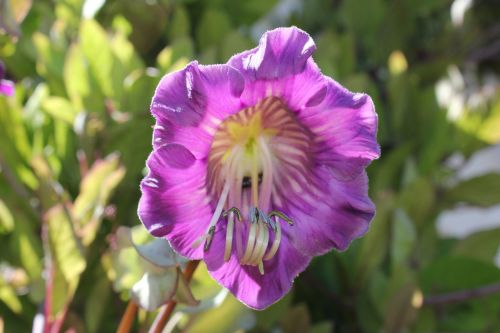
[75, 135]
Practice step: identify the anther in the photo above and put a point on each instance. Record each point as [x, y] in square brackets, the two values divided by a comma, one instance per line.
[210, 238]
[233, 210]
[281, 216]
[254, 215]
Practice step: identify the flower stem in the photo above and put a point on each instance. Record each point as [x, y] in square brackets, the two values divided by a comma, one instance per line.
[128, 318]
[165, 313]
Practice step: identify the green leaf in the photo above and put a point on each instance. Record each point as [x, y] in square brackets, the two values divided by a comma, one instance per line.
[481, 245]
[375, 245]
[95, 191]
[481, 191]
[212, 28]
[96, 303]
[76, 77]
[453, 273]
[66, 248]
[6, 218]
[50, 61]
[9, 297]
[139, 87]
[229, 317]
[398, 308]
[60, 108]
[179, 25]
[96, 48]
[403, 238]
[234, 43]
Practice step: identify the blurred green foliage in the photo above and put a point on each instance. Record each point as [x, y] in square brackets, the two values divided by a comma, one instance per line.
[74, 138]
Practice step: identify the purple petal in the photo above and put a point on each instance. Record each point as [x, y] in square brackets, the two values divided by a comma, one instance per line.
[345, 124]
[246, 283]
[334, 221]
[281, 52]
[174, 200]
[188, 96]
[6, 87]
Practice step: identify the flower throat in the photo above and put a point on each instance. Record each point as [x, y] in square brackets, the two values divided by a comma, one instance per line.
[243, 179]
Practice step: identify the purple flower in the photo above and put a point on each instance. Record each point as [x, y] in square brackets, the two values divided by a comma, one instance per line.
[6, 86]
[258, 165]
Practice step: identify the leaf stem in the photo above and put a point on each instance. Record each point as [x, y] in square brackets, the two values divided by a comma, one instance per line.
[165, 313]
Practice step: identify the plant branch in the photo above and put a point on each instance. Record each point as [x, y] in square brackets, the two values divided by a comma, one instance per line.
[463, 295]
[128, 318]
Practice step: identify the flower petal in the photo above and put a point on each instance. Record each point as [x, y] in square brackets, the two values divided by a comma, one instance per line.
[282, 66]
[281, 52]
[6, 87]
[184, 97]
[345, 125]
[255, 290]
[174, 200]
[343, 215]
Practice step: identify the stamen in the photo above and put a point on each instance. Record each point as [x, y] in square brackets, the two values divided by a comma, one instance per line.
[261, 268]
[276, 242]
[250, 243]
[210, 238]
[281, 216]
[259, 243]
[211, 226]
[220, 205]
[233, 211]
[267, 167]
[255, 180]
[229, 237]
[263, 248]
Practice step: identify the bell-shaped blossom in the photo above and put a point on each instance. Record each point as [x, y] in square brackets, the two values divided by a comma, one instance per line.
[258, 165]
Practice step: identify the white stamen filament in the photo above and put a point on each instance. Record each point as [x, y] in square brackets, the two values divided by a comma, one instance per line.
[215, 217]
[250, 243]
[229, 237]
[220, 205]
[259, 243]
[267, 176]
[263, 247]
[276, 242]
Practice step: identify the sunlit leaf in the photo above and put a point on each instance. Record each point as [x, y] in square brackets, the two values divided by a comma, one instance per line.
[6, 219]
[9, 297]
[60, 108]
[67, 249]
[96, 48]
[95, 191]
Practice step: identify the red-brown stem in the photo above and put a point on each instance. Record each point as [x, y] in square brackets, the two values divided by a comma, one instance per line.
[128, 318]
[164, 315]
[462, 295]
